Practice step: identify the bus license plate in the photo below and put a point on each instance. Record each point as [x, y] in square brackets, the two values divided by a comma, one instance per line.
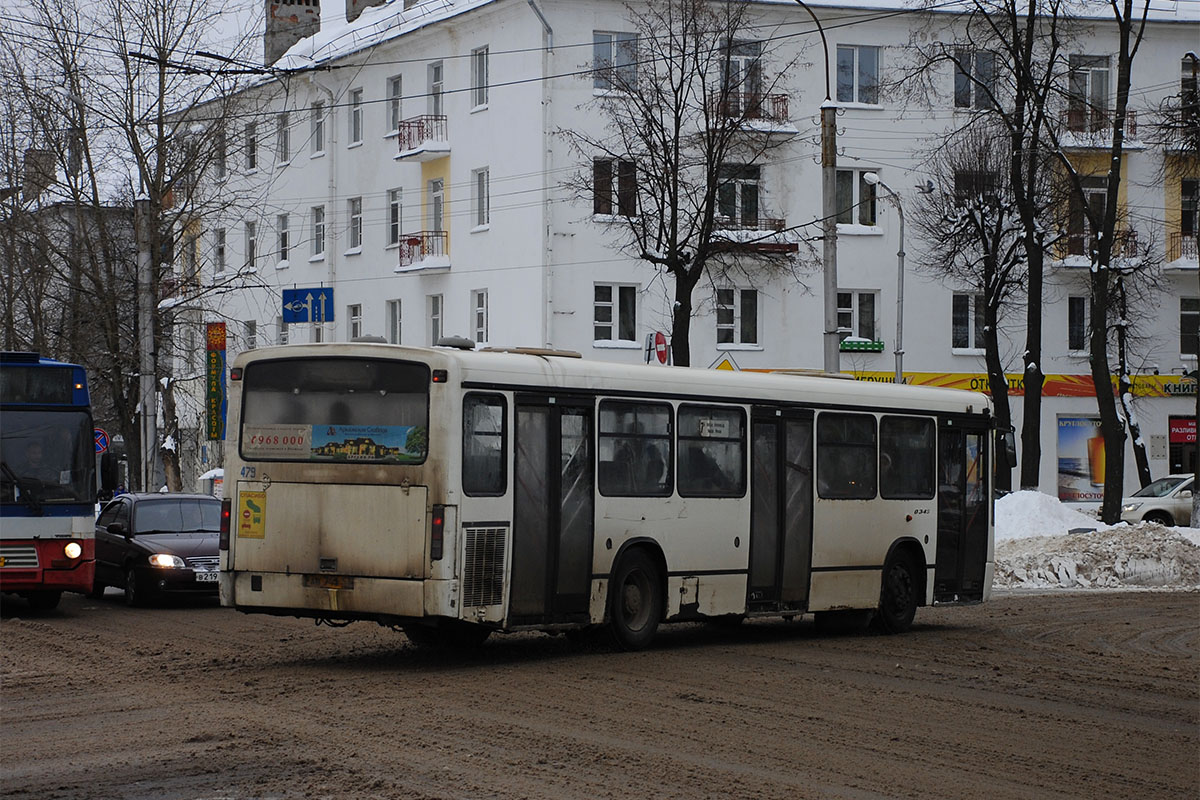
[328, 582]
[206, 577]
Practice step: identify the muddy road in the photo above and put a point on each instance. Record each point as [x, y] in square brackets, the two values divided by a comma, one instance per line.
[1055, 695]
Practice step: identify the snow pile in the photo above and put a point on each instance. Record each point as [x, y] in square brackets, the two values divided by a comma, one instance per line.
[1035, 548]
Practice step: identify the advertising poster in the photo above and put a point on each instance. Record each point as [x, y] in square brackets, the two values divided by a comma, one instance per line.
[1080, 460]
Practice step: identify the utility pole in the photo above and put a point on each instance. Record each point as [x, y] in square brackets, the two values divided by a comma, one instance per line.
[831, 340]
[148, 407]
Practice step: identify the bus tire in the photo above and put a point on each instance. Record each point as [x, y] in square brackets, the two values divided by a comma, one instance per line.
[898, 594]
[44, 600]
[97, 592]
[635, 601]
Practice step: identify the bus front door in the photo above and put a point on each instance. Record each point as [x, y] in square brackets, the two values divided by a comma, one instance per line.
[553, 518]
[963, 509]
[781, 512]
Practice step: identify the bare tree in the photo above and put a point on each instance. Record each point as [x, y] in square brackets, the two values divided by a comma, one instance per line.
[690, 113]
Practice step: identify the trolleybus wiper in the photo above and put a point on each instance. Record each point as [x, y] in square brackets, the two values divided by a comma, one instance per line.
[27, 495]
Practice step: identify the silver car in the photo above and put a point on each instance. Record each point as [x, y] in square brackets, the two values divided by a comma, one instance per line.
[1167, 501]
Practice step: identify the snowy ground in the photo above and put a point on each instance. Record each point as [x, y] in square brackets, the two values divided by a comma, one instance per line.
[1036, 549]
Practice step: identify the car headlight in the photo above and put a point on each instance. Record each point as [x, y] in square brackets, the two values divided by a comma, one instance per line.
[72, 550]
[166, 560]
[1128, 507]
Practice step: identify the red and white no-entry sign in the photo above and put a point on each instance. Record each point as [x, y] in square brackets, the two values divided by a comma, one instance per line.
[660, 347]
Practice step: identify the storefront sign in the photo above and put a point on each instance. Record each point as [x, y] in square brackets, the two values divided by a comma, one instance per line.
[215, 402]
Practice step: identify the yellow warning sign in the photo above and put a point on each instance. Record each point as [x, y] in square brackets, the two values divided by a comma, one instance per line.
[726, 364]
[252, 515]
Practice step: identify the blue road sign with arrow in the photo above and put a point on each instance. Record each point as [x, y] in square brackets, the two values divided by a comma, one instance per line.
[308, 305]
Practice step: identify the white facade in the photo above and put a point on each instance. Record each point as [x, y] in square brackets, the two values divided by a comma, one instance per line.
[522, 255]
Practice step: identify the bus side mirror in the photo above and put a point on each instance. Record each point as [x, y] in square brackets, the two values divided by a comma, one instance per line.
[1006, 450]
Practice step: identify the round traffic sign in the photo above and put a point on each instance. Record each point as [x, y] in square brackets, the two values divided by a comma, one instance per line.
[101, 440]
[660, 346]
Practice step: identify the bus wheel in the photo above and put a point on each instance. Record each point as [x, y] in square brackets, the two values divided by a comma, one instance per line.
[44, 600]
[898, 595]
[635, 601]
[97, 591]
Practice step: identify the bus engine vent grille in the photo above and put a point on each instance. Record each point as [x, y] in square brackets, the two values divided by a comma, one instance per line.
[483, 573]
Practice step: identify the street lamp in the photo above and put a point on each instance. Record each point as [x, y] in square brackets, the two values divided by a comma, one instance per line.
[873, 179]
[831, 340]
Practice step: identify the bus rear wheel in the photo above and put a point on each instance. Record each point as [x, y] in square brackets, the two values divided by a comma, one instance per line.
[44, 600]
[635, 601]
[898, 595]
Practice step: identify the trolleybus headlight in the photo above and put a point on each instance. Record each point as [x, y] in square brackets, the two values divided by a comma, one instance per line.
[166, 560]
[72, 550]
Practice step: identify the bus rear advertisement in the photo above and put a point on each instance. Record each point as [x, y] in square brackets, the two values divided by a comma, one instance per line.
[47, 479]
[454, 493]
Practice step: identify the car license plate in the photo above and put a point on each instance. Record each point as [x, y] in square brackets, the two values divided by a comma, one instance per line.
[206, 577]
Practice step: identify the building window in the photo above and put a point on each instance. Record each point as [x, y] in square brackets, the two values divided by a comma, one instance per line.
[1189, 321]
[219, 250]
[318, 333]
[395, 214]
[356, 116]
[1087, 97]
[605, 173]
[250, 334]
[393, 321]
[1189, 207]
[974, 79]
[435, 88]
[855, 198]
[479, 314]
[479, 77]
[354, 327]
[614, 313]
[395, 94]
[966, 321]
[858, 74]
[281, 226]
[737, 194]
[281, 329]
[318, 231]
[435, 319]
[856, 315]
[354, 207]
[251, 244]
[975, 189]
[614, 59]
[437, 205]
[283, 139]
[737, 316]
[1080, 235]
[480, 202]
[742, 79]
[316, 138]
[1077, 328]
[251, 147]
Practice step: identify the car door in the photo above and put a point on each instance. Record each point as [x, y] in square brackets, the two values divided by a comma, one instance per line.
[110, 547]
[1181, 504]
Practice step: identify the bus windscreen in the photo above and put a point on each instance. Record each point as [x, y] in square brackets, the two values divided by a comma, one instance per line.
[350, 410]
[49, 457]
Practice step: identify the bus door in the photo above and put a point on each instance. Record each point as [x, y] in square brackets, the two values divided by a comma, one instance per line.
[553, 518]
[781, 492]
[963, 508]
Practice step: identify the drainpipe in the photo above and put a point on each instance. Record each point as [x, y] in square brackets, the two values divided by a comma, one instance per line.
[547, 171]
[330, 129]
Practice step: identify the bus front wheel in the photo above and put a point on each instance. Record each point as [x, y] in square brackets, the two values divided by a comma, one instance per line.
[635, 600]
[898, 594]
[44, 600]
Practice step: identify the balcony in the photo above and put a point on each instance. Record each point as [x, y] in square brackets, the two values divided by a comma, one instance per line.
[424, 250]
[423, 138]
[752, 106]
[756, 235]
[1092, 127]
[1181, 246]
[1084, 243]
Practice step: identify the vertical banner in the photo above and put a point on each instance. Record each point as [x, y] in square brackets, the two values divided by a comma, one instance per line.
[215, 396]
[1080, 460]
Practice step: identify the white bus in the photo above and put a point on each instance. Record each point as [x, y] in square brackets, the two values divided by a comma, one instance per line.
[453, 493]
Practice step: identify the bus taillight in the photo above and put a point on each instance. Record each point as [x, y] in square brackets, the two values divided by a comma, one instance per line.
[436, 533]
[226, 512]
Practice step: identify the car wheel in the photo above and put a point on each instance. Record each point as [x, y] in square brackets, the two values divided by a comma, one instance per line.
[135, 589]
[635, 601]
[897, 595]
[44, 601]
[1160, 517]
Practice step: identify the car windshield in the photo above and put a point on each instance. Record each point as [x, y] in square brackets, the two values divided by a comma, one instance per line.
[1160, 488]
[177, 515]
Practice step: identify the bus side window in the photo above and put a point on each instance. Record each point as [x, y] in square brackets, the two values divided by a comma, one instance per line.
[846, 462]
[634, 447]
[712, 452]
[906, 458]
[484, 438]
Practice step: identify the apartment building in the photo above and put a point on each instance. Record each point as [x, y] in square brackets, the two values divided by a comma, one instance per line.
[412, 170]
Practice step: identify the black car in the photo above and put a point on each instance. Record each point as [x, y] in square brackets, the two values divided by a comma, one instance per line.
[159, 544]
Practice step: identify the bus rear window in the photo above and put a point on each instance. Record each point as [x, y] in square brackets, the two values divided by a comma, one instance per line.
[350, 410]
